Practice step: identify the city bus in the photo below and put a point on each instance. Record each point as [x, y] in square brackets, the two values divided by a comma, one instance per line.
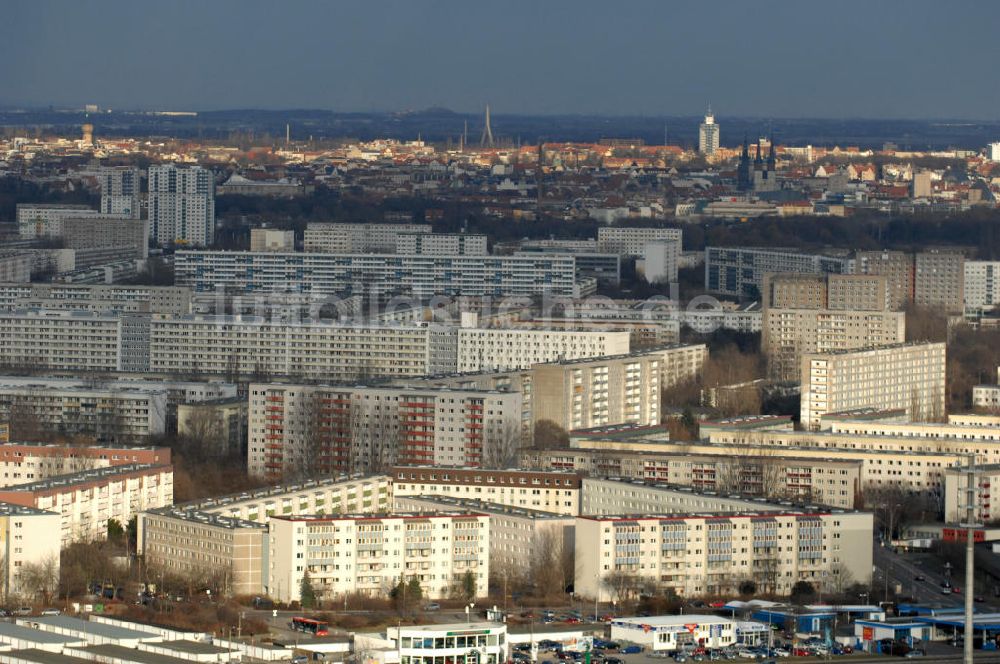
[310, 626]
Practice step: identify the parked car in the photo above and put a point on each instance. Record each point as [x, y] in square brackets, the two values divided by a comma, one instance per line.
[956, 590]
[613, 660]
[51, 612]
[433, 606]
[916, 652]
[24, 611]
[978, 598]
[631, 650]
[680, 657]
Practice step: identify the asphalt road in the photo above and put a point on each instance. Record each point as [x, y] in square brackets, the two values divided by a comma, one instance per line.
[904, 570]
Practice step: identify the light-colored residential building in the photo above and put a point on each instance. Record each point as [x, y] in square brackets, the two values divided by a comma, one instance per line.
[548, 491]
[939, 278]
[369, 554]
[357, 238]
[127, 299]
[752, 472]
[441, 244]
[956, 486]
[615, 495]
[708, 135]
[226, 536]
[374, 275]
[789, 335]
[28, 536]
[853, 292]
[44, 220]
[631, 241]
[255, 346]
[203, 546]
[87, 500]
[987, 397]
[517, 534]
[72, 341]
[120, 191]
[507, 348]
[660, 261]
[297, 430]
[711, 552]
[981, 285]
[909, 377]
[24, 463]
[270, 239]
[120, 416]
[181, 205]
[898, 269]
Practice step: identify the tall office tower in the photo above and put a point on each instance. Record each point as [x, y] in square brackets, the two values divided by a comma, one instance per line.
[708, 135]
[181, 205]
[120, 191]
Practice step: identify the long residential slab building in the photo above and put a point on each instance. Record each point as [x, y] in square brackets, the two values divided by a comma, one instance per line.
[416, 275]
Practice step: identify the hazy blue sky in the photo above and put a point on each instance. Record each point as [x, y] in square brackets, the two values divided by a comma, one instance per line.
[838, 58]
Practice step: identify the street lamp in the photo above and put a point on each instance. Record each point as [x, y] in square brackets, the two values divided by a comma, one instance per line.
[468, 608]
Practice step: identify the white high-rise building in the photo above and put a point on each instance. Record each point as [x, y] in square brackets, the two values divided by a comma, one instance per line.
[708, 135]
[993, 151]
[181, 205]
[120, 191]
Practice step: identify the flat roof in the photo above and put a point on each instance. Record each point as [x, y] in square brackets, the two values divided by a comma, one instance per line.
[376, 516]
[88, 627]
[684, 619]
[129, 654]
[20, 632]
[193, 647]
[9, 509]
[278, 490]
[85, 477]
[477, 505]
[206, 518]
[46, 657]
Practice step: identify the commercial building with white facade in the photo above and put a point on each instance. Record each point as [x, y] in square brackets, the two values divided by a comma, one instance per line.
[181, 205]
[357, 238]
[457, 643]
[665, 634]
[910, 377]
[711, 552]
[87, 500]
[305, 429]
[507, 348]
[368, 553]
[631, 241]
[548, 491]
[374, 275]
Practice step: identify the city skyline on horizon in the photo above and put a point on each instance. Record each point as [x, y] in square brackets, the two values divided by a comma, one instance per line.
[640, 60]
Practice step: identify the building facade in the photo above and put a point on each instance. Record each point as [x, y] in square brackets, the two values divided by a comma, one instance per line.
[87, 500]
[708, 135]
[44, 220]
[128, 299]
[740, 272]
[301, 430]
[181, 205]
[908, 377]
[120, 191]
[507, 348]
[441, 244]
[547, 491]
[712, 553]
[269, 239]
[898, 269]
[374, 275]
[632, 240]
[357, 238]
[939, 278]
[68, 341]
[28, 536]
[369, 554]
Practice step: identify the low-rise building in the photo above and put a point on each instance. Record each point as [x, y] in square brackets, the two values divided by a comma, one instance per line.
[457, 643]
[555, 492]
[368, 554]
[23, 463]
[270, 239]
[676, 633]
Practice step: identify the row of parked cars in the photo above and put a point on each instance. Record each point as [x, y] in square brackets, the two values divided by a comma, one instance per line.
[812, 648]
